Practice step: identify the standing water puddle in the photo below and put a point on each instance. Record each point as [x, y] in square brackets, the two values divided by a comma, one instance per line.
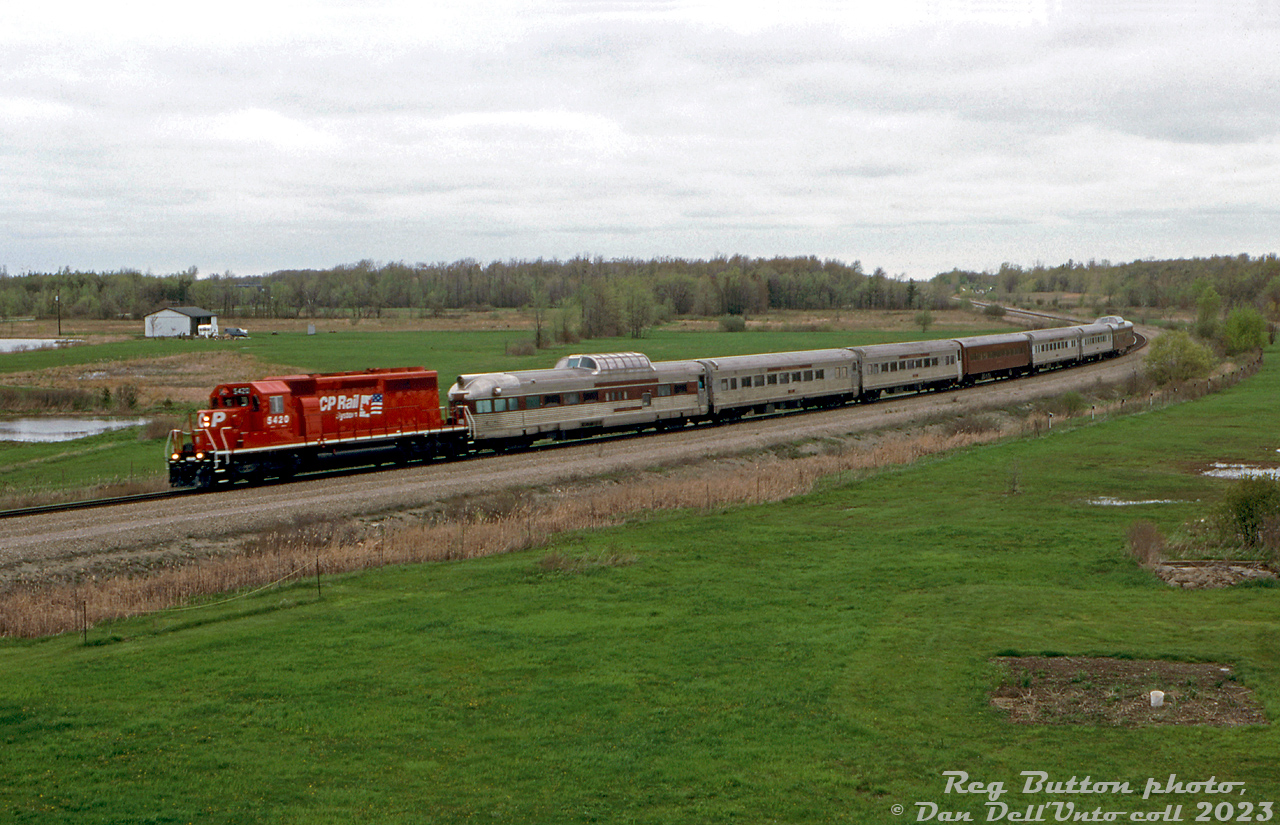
[24, 344]
[61, 429]
[1220, 470]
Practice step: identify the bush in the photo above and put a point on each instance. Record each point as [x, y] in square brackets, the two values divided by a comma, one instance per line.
[733, 323]
[45, 399]
[1174, 356]
[159, 427]
[1251, 510]
[127, 397]
[1145, 543]
[971, 424]
[1209, 310]
[1073, 402]
[1246, 330]
[993, 311]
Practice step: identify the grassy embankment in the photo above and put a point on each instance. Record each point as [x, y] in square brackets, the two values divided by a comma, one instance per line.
[820, 659]
[131, 455]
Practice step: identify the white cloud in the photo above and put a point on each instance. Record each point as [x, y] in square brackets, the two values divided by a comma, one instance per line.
[912, 136]
[251, 127]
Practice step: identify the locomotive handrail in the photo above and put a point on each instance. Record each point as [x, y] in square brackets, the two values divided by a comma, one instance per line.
[468, 421]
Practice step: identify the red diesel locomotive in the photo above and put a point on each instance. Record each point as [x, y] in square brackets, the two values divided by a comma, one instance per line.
[278, 426]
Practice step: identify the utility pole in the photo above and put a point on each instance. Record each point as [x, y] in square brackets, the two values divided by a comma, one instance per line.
[57, 300]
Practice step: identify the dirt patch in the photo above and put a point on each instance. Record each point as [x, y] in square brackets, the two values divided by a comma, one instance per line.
[1201, 574]
[1071, 690]
[180, 379]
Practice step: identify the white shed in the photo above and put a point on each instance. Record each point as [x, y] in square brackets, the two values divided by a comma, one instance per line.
[175, 322]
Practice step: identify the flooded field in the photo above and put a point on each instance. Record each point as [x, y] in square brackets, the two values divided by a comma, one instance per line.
[61, 428]
[24, 344]
[1220, 470]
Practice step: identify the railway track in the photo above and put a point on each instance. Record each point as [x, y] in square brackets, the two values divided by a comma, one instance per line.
[87, 504]
[375, 467]
[70, 544]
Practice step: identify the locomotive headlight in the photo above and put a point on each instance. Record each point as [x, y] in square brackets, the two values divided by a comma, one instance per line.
[199, 456]
[173, 457]
[204, 420]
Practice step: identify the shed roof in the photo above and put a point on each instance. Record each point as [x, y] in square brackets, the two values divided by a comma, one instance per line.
[193, 312]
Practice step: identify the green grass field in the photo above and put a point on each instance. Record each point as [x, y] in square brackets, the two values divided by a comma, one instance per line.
[820, 660]
[106, 458]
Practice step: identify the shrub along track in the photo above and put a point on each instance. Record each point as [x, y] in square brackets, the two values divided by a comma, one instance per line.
[74, 544]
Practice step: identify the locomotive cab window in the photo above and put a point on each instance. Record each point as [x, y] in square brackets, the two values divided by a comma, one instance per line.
[664, 390]
[275, 404]
[484, 405]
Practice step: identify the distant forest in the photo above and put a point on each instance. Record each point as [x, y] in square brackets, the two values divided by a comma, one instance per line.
[611, 297]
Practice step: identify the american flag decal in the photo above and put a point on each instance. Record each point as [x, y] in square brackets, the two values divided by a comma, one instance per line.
[370, 405]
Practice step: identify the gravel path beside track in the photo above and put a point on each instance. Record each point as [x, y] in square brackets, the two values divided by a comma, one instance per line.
[37, 546]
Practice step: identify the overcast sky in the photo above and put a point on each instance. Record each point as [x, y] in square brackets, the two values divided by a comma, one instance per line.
[913, 136]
